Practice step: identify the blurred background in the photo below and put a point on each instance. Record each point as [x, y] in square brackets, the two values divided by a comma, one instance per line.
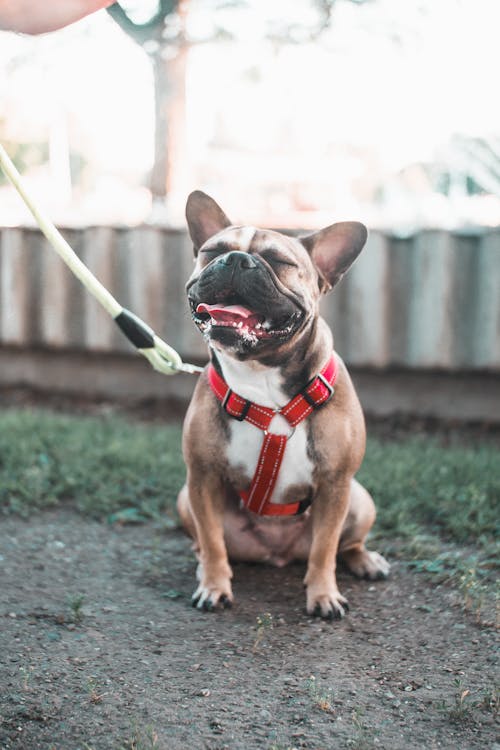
[292, 115]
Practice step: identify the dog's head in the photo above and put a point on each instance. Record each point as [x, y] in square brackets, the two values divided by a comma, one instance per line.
[252, 291]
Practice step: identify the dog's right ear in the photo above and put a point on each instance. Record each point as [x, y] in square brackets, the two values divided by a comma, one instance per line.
[204, 217]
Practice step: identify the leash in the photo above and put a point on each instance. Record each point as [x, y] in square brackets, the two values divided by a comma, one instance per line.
[316, 394]
[160, 355]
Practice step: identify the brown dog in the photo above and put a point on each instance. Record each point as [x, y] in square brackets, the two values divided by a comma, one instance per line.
[274, 433]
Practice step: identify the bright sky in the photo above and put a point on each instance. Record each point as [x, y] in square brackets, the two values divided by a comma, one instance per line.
[395, 78]
[361, 86]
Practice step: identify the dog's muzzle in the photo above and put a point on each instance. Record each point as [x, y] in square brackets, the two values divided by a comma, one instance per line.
[236, 301]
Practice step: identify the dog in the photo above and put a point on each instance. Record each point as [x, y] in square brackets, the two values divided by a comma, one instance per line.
[274, 433]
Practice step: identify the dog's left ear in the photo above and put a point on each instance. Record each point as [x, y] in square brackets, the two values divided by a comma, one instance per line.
[204, 217]
[334, 249]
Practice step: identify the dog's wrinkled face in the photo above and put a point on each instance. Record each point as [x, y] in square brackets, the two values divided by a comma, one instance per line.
[254, 290]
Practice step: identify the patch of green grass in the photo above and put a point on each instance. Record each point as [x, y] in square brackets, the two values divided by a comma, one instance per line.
[109, 467]
[264, 625]
[75, 604]
[98, 465]
[460, 710]
[465, 708]
[438, 508]
[320, 696]
[142, 739]
[417, 484]
[364, 736]
[95, 694]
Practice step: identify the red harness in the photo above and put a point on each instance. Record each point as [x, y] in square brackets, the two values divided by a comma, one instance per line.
[317, 393]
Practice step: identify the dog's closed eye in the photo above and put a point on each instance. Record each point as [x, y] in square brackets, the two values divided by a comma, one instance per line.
[275, 258]
[214, 251]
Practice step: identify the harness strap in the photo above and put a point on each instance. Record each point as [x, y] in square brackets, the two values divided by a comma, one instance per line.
[316, 394]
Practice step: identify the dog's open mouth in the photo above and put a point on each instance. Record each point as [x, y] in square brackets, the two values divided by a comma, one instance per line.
[241, 321]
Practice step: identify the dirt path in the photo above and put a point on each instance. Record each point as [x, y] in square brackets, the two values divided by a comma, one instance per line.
[141, 669]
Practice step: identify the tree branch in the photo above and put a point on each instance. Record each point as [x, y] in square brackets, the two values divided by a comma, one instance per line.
[142, 32]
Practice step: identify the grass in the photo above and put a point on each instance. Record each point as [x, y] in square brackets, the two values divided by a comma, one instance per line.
[264, 625]
[320, 697]
[100, 466]
[142, 739]
[365, 737]
[418, 484]
[467, 709]
[428, 496]
[75, 604]
[439, 507]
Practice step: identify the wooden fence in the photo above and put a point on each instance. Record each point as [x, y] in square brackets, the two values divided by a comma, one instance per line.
[430, 301]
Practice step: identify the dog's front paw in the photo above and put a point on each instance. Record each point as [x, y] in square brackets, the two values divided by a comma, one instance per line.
[326, 601]
[209, 599]
[365, 564]
[214, 591]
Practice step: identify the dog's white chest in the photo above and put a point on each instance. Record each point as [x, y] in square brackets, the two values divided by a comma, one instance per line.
[245, 441]
[244, 450]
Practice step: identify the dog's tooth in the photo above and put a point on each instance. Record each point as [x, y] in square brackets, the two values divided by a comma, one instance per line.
[240, 324]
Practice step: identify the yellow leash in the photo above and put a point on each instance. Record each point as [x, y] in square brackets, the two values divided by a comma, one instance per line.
[161, 356]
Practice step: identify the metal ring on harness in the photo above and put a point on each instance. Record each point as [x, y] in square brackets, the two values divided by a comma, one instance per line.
[292, 427]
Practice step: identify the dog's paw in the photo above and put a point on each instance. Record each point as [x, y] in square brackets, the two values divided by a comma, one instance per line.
[209, 599]
[365, 564]
[328, 604]
[214, 589]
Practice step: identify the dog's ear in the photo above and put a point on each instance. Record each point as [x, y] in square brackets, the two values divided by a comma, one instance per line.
[334, 249]
[204, 217]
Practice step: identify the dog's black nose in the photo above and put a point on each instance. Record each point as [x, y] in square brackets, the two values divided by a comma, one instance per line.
[237, 258]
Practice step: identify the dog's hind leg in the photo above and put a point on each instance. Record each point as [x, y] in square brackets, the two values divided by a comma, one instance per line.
[352, 550]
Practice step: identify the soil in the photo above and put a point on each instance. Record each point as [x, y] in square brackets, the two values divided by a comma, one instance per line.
[134, 666]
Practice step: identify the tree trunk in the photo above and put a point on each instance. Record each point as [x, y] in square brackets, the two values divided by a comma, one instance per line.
[170, 173]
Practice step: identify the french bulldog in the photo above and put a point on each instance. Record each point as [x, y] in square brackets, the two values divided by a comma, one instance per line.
[274, 433]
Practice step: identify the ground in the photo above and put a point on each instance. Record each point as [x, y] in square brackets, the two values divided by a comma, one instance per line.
[101, 650]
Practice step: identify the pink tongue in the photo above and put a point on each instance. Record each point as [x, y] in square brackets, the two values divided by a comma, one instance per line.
[225, 313]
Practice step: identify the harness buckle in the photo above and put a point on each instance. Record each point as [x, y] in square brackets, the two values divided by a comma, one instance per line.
[246, 406]
[328, 386]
